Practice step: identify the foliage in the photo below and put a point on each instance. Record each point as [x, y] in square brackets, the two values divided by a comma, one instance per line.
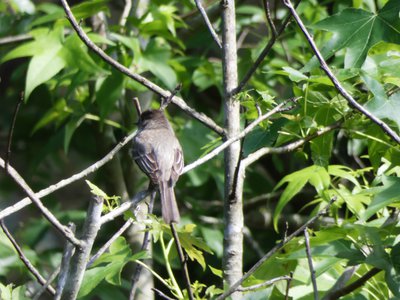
[76, 107]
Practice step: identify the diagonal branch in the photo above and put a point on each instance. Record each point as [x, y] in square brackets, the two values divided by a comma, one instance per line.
[274, 250]
[263, 54]
[138, 78]
[208, 23]
[391, 133]
[46, 213]
[235, 138]
[25, 260]
[94, 167]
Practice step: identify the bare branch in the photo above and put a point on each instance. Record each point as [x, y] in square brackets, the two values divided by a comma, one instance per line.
[263, 54]
[233, 139]
[124, 207]
[46, 213]
[208, 23]
[310, 263]
[107, 245]
[15, 39]
[94, 167]
[185, 272]
[11, 132]
[288, 286]
[137, 105]
[263, 284]
[125, 13]
[25, 260]
[274, 250]
[138, 78]
[145, 247]
[386, 128]
[81, 256]
[341, 282]
[269, 18]
[353, 286]
[69, 250]
[251, 158]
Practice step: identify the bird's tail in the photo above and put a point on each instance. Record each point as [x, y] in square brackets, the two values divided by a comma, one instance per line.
[170, 212]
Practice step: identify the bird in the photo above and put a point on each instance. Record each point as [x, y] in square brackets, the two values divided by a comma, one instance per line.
[158, 153]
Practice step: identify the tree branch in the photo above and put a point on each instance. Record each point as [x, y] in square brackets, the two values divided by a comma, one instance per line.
[263, 284]
[274, 250]
[25, 260]
[138, 78]
[81, 256]
[235, 138]
[263, 54]
[310, 263]
[46, 213]
[208, 23]
[391, 133]
[62, 183]
[353, 286]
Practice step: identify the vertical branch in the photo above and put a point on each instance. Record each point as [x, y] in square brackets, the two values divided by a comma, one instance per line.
[233, 214]
[310, 263]
[80, 259]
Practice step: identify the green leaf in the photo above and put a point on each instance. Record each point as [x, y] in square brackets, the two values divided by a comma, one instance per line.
[358, 30]
[95, 190]
[386, 108]
[192, 244]
[294, 74]
[384, 196]
[70, 128]
[109, 91]
[315, 175]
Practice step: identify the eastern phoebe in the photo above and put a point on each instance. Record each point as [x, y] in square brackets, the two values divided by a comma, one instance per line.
[159, 155]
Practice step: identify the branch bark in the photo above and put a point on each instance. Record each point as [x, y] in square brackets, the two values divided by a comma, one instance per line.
[81, 256]
[233, 211]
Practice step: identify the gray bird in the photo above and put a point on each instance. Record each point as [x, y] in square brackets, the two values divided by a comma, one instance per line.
[159, 155]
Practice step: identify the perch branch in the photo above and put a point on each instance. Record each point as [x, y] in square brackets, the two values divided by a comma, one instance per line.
[310, 263]
[94, 167]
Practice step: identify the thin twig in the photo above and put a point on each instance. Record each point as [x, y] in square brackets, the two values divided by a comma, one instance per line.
[263, 284]
[233, 139]
[341, 281]
[69, 250]
[145, 247]
[125, 13]
[355, 285]
[15, 39]
[138, 78]
[165, 101]
[46, 213]
[124, 207]
[161, 294]
[310, 263]
[11, 132]
[271, 24]
[183, 260]
[208, 23]
[263, 54]
[62, 183]
[43, 288]
[251, 158]
[138, 106]
[107, 245]
[24, 259]
[274, 250]
[288, 285]
[386, 128]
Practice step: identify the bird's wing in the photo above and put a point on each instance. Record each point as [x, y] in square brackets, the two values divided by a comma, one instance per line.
[178, 165]
[146, 160]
